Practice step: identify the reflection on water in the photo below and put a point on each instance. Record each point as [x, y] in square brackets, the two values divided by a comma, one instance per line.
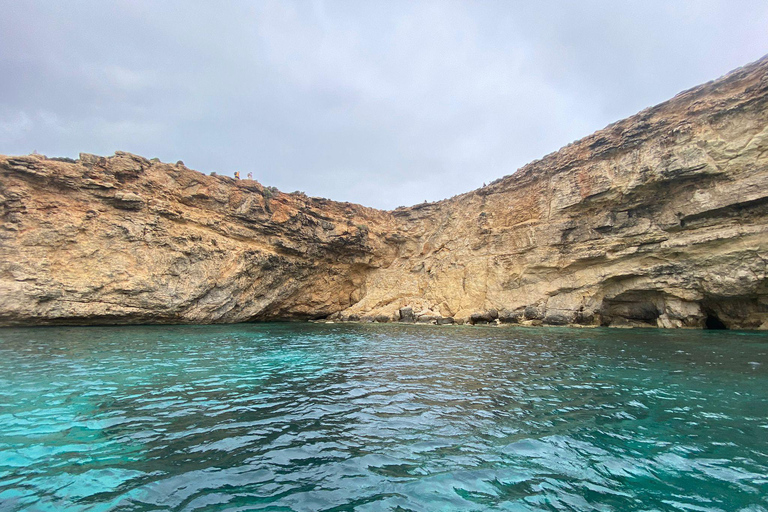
[306, 417]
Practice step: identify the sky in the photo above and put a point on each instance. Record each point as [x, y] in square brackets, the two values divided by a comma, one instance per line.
[383, 103]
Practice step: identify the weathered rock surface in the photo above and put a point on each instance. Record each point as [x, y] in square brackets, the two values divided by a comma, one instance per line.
[657, 220]
[124, 239]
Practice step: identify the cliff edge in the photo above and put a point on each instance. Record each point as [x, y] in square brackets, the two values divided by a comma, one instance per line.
[658, 220]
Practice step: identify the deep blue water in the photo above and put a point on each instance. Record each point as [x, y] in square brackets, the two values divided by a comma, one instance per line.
[309, 417]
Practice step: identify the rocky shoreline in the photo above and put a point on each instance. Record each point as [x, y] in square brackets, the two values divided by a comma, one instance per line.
[408, 316]
[659, 220]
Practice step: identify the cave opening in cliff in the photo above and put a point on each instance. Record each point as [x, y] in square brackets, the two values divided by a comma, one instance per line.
[712, 322]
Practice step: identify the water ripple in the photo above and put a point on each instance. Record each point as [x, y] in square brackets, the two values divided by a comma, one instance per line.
[302, 417]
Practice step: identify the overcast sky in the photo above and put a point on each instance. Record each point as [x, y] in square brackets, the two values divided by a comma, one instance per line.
[383, 103]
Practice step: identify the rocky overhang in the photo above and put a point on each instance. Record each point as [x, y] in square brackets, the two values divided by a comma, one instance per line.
[659, 220]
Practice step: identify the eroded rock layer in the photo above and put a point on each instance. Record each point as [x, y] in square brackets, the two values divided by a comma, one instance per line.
[125, 239]
[657, 220]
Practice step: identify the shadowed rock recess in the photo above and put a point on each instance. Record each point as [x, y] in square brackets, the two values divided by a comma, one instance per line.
[657, 220]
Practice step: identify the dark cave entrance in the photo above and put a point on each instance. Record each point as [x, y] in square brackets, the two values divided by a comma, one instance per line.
[712, 322]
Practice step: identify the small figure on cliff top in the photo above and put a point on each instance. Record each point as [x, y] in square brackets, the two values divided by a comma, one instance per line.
[237, 175]
[250, 175]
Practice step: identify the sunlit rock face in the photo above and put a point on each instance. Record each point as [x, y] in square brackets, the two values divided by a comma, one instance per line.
[658, 220]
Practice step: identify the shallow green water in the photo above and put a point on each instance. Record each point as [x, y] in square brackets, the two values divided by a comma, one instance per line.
[308, 417]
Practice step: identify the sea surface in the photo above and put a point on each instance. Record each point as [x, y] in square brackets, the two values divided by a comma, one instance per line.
[315, 417]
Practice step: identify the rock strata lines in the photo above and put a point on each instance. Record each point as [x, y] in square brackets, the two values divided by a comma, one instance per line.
[659, 220]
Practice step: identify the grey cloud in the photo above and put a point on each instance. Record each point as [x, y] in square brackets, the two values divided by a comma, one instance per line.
[383, 103]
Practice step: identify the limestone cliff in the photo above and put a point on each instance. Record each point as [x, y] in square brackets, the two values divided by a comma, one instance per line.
[128, 240]
[657, 220]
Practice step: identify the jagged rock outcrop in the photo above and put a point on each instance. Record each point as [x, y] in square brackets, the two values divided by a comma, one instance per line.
[657, 220]
[124, 239]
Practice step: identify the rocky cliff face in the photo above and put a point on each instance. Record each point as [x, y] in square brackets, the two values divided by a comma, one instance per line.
[128, 240]
[657, 220]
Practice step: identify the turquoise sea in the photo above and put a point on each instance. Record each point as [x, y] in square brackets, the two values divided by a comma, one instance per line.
[315, 417]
